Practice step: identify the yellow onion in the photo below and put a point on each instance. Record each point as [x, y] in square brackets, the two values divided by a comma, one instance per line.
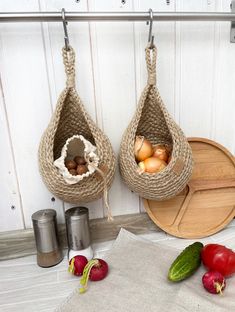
[161, 151]
[151, 165]
[143, 148]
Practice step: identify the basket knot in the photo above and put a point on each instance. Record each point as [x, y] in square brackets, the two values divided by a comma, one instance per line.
[152, 78]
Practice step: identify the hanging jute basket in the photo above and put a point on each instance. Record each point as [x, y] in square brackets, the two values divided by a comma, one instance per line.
[153, 121]
[71, 119]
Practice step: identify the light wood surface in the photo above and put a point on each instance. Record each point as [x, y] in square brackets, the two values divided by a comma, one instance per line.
[208, 203]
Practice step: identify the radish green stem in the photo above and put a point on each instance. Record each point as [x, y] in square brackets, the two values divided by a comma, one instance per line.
[71, 266]
[86, 274]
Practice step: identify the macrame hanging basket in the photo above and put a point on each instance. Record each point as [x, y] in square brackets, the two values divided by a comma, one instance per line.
[71, 119]
[153, 121]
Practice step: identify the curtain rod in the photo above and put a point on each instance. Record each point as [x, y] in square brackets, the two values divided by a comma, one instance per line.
[114, 16]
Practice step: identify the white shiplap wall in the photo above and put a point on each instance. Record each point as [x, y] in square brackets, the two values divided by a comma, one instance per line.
[196, 78]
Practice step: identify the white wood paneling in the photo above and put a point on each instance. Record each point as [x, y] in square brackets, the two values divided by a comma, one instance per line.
[114, 78]
[80, 40]
[25, 85]
[195, 66]
[223, 96]
[195, 77]
[11, 217]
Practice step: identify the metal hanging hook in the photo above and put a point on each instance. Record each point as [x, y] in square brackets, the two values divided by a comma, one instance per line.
[150, 23]
[65, 23]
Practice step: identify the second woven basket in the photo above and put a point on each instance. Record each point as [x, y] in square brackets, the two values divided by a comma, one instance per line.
[153, 121]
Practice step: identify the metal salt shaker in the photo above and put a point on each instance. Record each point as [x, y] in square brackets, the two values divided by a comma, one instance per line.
[78, 232]
[46, 237]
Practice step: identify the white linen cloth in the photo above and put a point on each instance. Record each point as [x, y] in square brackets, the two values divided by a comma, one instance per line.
[137, 282]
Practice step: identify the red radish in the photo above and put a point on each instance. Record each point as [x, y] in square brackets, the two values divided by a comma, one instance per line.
[95, 270]
[77, 265]
[99, 271]
[214, 282]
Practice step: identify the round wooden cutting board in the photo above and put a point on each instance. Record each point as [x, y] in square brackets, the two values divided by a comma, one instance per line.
[207, 204]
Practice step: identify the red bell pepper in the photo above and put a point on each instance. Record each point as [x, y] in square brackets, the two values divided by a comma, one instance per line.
[218, 258]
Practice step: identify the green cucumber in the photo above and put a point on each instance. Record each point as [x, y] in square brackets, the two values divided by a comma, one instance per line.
[186, 263]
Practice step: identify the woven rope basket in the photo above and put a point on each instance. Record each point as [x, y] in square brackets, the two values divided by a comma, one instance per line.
[70, 118]
[152, 121]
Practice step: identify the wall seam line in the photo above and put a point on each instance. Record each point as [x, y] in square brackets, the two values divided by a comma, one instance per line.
[12, 152]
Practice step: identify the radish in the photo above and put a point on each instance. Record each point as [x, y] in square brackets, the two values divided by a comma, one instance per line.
[99, 271]
[77, 265]
[95, 270]
[214, 282]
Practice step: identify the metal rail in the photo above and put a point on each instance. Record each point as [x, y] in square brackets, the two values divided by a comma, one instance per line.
[114, 16]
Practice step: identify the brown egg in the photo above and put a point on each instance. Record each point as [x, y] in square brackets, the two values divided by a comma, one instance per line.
[80, 160]
[70, 164]
[81, 169]
[73, 171]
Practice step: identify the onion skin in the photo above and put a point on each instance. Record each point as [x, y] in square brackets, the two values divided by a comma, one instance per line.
[142, 149]
[214, 282]
[151, 165]
[161, 151]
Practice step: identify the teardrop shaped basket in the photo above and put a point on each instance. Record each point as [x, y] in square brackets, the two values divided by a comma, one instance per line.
[153, 121]
[70, 118]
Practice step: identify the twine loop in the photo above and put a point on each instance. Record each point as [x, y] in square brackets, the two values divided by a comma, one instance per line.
[150, 57]
[103, 176]
[69, 63]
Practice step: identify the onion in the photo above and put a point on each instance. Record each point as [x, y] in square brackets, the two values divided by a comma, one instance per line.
[143, 148]
[152, 165]
[161, 151]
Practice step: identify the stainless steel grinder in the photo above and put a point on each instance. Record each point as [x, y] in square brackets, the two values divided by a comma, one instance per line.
[78, 232]
[46, 237]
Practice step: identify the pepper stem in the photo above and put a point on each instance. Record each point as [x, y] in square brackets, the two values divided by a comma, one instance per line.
[86, 274]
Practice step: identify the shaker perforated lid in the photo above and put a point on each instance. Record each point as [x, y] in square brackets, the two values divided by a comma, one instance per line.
[76, 213]
[43, 216]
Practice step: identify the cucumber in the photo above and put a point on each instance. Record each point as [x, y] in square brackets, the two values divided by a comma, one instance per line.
[186, 263]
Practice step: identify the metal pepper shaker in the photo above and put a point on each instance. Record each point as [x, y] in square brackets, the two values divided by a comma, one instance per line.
[78, 232]
[46, 237]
